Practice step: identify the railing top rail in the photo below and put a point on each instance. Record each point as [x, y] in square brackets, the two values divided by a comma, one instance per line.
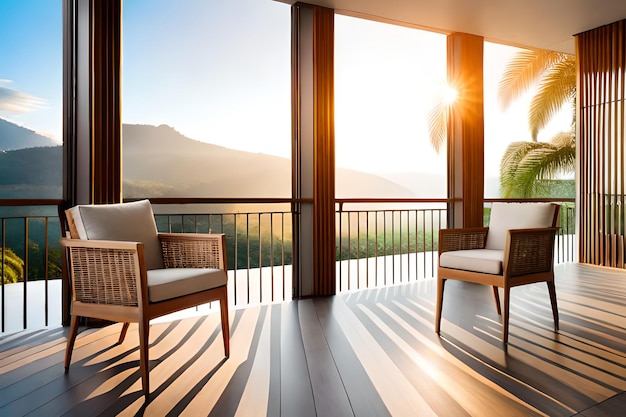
[530, 200]
[230, 200]
[29, 202]
[223, 200]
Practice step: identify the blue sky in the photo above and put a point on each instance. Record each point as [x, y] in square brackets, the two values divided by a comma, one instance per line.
[219, 71]
[31, 55]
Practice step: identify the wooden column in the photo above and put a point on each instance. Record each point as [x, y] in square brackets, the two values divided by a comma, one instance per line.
[466, 132]
[106, 102]
[313, 150]
[92, 155]
[92, 102]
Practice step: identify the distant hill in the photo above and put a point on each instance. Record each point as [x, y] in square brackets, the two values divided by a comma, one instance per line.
[31, 173]
[170, 164]
[13, 137]
[420, 184]
[160, 162]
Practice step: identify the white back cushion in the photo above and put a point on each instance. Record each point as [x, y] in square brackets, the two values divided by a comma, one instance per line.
[506, 216]
[132, 222]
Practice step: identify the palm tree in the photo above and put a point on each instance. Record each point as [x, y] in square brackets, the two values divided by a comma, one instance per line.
[527, 166]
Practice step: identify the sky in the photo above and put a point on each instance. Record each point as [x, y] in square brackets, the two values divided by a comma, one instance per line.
[219, 71]
[31, 72]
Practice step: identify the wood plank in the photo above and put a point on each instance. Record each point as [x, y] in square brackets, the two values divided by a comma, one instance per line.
[329, 393]
[296, 398]
[366, 353]
[376, 386]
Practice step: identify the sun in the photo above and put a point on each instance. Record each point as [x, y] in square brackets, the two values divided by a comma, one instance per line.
[450, 94]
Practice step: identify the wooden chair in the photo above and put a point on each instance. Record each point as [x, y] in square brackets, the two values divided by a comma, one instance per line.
[121, 269]
[516, 249]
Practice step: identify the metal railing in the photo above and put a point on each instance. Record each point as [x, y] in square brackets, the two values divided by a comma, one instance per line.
[386, 246]
[380, 242]
[258, 245]
[30, 263]
[398, 244]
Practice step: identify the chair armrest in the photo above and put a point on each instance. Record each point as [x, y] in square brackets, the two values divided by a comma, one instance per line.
[105, 272]
[194, 250]
[462, 239]
[529, 251]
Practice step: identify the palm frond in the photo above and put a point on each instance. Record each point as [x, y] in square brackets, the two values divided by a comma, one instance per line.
[564, 140]
[557, 87]
[523, 72]
[438, 124]
[527, 165]
[509, 165]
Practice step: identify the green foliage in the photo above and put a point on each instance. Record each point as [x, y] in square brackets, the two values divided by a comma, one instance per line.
[40, 234]
[252, 240]
[384, 244]
[31, 173]
[11, 266]
[528, 169]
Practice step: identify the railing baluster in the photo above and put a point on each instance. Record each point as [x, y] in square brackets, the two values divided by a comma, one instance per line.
[358, 250]
[26, 271]
[367, 249]
[260, 259]
[4, 311]
[236, 252]
[47, 267]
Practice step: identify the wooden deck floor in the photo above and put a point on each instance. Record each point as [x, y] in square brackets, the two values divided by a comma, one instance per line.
[368, 353]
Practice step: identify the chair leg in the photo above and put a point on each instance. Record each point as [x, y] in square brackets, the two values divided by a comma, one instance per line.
[496, 296]
[123, 333]
[225, 323]
[441, 282]
[144, 364]
[505, 315]
[555, 311]
[70, 341]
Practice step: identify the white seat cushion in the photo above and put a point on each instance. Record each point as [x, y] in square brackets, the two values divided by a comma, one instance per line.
[131, 222]
[488, 261]
[165, 284]
[507, 216]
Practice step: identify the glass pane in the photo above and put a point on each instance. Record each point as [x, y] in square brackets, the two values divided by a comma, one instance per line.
[504, 126]
[206, 98]
[387, 80]
[31, 106]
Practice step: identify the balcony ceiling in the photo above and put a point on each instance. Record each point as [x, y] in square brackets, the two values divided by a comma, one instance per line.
[547, 24]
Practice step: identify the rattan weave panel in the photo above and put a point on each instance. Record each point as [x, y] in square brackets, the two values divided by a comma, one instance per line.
[104, 276]
[191, 253]
[455, 239]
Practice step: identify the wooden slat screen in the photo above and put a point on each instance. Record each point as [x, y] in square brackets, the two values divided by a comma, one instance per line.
[106, 102]
[601, 54]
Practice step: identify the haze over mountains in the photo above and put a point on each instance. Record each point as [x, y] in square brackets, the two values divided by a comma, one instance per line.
[14, 137]
[160, 162]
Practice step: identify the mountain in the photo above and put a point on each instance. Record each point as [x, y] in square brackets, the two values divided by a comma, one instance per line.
[420, 184]
[165, 161]
[14, 137]
[158, 161]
